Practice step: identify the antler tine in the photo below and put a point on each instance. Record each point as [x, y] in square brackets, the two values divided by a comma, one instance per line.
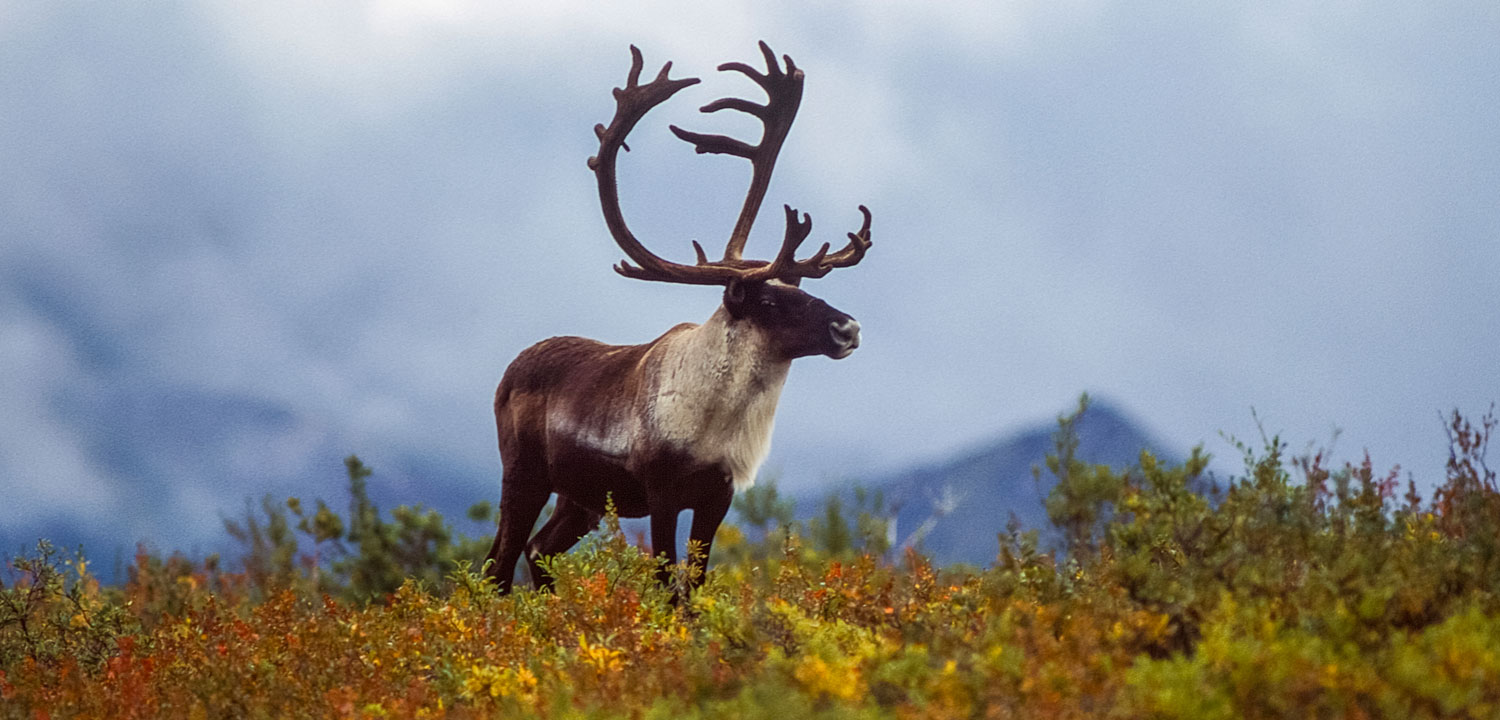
[783, 95]
[796, 232]
[790, 270]
[858, 243]
[772, 68]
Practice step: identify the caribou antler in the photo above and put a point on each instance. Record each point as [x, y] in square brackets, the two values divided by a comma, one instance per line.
[787, 269]
[784, 93]
[632, 102]
[783, 97]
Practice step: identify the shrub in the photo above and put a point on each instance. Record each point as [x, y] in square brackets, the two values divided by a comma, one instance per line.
[1298, 589]
[362, 557]
[53, 613]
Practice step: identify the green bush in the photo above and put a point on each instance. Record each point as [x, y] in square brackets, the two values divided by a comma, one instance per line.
[52, 609]
[361, 557]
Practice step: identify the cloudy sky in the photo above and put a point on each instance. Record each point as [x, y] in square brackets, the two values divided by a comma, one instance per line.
[239, 241]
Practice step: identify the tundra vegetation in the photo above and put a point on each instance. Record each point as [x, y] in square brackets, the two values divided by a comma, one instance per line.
[1299, 588]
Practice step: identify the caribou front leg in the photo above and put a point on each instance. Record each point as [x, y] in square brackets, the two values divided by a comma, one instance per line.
[706, 519]
[664, 513]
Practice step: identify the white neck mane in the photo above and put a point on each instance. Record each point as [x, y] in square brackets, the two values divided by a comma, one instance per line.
[715, 397]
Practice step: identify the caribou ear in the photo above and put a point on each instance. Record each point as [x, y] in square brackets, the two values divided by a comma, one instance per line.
[734, 297]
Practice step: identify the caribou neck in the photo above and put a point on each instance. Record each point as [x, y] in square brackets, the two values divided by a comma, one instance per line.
[716, 393]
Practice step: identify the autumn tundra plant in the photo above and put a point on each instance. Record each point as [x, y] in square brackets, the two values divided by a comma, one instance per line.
[682, 422]
[1298, 588]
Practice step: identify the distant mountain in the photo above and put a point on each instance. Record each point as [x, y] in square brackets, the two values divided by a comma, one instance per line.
[953, 509]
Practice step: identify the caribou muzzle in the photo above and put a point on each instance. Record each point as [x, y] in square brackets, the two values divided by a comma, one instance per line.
[845, 336]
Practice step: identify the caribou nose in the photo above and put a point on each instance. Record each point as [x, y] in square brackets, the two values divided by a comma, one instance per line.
[845, 334]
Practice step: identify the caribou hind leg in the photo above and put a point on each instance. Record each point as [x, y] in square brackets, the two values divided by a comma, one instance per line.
[521, 501]
[568, 524]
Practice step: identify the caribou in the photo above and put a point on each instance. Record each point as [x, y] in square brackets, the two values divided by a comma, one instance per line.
[684, 421]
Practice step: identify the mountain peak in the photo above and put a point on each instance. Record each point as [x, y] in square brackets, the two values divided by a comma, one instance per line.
[955, 507]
